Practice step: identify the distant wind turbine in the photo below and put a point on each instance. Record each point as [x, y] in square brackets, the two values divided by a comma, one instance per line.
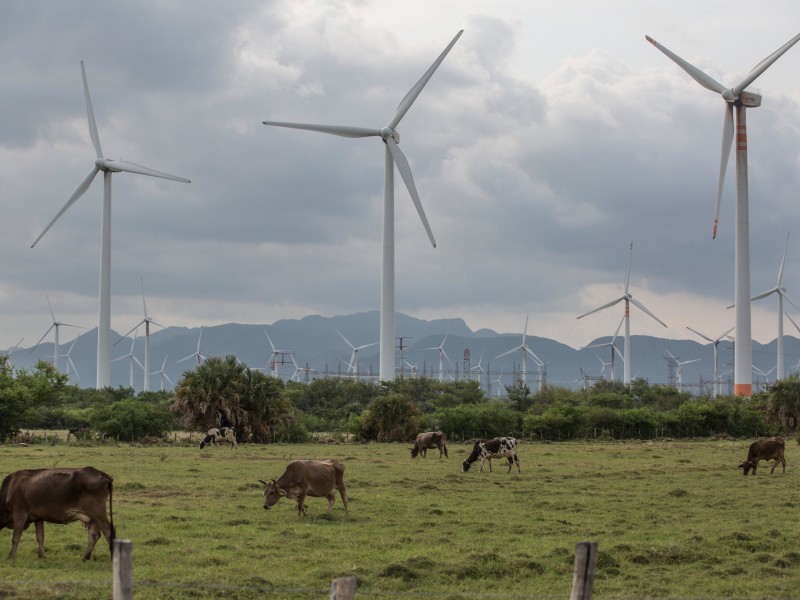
[715, 343]
[680, 364]
[107, 166]
[782, 294]
[393, 156]
[738, 100]
[523, 347]
[163, 374]
[11, 350]
[442, 357]
[272, 362]
[70, 364]
[614, 350]
[131, 356]
[55, 325]
[146, 321]
[197, 355]
[353, 364]
[629, 299]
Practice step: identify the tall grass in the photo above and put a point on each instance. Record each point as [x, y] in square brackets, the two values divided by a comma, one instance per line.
[673, 519]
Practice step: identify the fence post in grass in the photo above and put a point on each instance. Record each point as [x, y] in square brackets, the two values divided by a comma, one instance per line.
[343, 588]
[123, 570]
[585, 566]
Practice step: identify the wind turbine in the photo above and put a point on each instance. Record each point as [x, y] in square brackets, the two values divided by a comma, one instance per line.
[392, 156]
[55, 325]
[146, 322]
[11, 350]
[525, 352]
[163, 374]
[781, 292]
[736, 100]
[107, 166]
[680, 364]
[70, 364]
[614, 350]
[274, 370]
[715, 342]
[196, 354]
[629, 299]
[604, 365]
[442, 356]
[353, 364]
[130, 355]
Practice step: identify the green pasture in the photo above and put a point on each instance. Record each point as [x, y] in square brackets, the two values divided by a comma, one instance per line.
[672, 518]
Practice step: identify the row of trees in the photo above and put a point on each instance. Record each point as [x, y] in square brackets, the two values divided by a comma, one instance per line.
[222, 391]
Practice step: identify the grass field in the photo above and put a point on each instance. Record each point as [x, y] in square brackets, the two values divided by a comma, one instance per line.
[672, 518]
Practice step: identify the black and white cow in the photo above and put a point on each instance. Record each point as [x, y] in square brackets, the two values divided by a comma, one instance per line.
[494, 448]
[220, 435]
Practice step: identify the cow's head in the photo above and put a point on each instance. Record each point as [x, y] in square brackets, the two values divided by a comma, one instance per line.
[746, 466]
[465, 466]
[414, 452]
[272, 493]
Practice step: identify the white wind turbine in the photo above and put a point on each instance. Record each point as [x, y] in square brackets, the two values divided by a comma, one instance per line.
[393, 156]
[163, 374]
[352, 365]
[146, 321]
[442, 357]
[680, 364]
[629, 299]
[107, 166]
[525, 352]
[197, 355]
[614, 350]
[11, 350]
[55, 325]
[782, 294]
[132, 357]
[715, 343]
[70, 364]
[738, 100]
[604, 365]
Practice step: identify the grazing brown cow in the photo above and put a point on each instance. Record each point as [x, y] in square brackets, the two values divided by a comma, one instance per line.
[57, 496]
[430, 440]
[768, 449]
[315, 478]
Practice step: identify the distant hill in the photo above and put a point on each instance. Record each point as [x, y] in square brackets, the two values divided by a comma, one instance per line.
[313, 342]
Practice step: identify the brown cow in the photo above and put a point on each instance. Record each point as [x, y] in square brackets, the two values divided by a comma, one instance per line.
[767, 449]
[57, 496]
[430, 440]
[315, 478]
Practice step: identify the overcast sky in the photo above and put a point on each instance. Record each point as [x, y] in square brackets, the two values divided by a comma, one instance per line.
[551, 137]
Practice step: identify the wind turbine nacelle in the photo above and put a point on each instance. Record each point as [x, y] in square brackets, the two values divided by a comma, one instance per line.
[750, 100]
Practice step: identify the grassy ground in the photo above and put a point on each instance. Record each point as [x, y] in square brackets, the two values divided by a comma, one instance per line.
[672, 519]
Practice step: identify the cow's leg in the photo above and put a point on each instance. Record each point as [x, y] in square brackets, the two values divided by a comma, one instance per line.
[516, 460]
[301, 506]
[343, 494]
[483, 460]
[424, 452]
[510, 464]
[444, 446]
[40, 537]
[331, 499]
[19, 527]
[93, 535]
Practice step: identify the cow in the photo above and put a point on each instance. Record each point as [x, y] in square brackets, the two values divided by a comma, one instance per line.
[315, 478]
[430, 440]
[494, 448]
[58, 496]
[220, 435]
[767, 449]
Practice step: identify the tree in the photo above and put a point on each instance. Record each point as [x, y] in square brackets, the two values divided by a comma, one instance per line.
[783, 404]
[390, 418]
[21, 392]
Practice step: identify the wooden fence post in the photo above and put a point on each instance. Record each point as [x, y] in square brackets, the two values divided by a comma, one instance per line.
[123, 570]
[585, 566]
[343, 588]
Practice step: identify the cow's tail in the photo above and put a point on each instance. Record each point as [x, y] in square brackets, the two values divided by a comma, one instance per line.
[113, 529]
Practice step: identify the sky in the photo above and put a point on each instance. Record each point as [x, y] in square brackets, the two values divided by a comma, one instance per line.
[551, 138]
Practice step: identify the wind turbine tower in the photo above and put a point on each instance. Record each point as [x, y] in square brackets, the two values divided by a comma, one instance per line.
[108, 167]
[392, 156]
[737, 100]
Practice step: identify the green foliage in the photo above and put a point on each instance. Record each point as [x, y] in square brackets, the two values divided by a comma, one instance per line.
[490, 419]
[783, 404]
[22, 392]
[131, 419]
[391, 417]
[519, 396]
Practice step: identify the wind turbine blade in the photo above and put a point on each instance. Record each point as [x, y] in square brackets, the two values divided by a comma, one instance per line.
[688, 362]
[44, 336]
[134, 328]
[507, 353]
[363, 346]
[705, 337]
[340, 130]
[628, 272]
[129, 167]
[727, 143]
[185, 358]
[788, 299]
[707, 82]
[642, 307]
[136, 360]
[616, 332]
[783, 260]
[793, 323]
[412, 94]
[79, 191]
[763, 294]
[612, 303]
[408, 178]
[90, 115]
[50, 306]
[763, 66]
[533, 355]
[144, 304]
[671, 355]
[168, 379]
[344, 338]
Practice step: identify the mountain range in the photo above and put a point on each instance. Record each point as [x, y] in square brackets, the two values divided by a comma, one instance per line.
[316, 346]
